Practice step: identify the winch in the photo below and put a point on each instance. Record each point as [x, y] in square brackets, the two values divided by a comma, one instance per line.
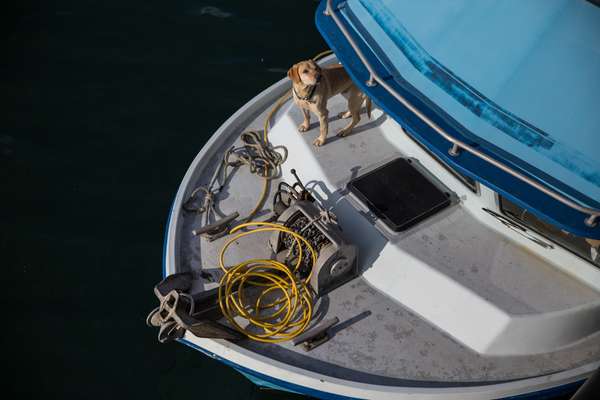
[297, 209]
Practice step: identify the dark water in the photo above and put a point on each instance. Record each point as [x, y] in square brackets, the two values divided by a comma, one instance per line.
[104, 105]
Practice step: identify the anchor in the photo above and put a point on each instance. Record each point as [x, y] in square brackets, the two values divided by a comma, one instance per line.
[180, 311]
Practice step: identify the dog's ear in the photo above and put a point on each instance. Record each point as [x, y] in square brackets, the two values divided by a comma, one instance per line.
[293, 74]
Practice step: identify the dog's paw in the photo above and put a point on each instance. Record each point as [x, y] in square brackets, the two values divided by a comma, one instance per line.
[345, 114]
[344, 132]
[303, 128]
[319, 141]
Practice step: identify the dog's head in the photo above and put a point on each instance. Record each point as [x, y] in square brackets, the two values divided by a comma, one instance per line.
[306, 72]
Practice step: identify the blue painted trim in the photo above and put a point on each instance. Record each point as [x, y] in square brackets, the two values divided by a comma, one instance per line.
[543, 206]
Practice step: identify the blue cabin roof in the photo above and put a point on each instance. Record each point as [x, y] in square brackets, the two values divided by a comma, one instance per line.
[519, 81]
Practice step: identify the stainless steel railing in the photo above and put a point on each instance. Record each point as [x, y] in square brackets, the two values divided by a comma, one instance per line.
[457, 145]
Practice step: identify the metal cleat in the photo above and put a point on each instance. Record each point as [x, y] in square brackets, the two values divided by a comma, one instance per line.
[217, 229]
[317, 335]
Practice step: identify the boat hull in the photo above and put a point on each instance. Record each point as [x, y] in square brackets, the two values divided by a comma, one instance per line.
[277, 375]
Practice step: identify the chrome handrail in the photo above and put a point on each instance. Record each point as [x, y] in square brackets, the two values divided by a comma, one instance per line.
[457, 145]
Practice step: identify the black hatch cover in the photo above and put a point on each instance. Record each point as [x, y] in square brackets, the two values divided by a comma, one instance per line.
[399, 194]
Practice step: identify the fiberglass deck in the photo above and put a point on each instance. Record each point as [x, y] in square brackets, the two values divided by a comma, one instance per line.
[379, 340]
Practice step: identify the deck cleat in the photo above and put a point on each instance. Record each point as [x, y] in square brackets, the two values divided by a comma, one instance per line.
[217, 229]
[317, 335]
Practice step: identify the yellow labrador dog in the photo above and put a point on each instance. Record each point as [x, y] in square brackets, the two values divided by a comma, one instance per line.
[312, 86]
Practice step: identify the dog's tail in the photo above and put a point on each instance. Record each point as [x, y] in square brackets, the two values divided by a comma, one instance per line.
[369, 107]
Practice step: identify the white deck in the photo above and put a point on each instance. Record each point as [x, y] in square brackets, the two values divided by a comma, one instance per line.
[458, 300]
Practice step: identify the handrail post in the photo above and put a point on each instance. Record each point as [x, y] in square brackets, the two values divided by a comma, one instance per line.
[454, 150]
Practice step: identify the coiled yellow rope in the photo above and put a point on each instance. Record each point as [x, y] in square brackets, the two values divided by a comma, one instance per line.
[278, 320]
[288, 314]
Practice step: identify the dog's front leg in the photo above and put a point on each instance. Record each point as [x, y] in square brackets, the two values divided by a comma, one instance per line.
[323, 115]
[303, 127]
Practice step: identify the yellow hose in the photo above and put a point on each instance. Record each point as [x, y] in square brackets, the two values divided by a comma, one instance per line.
[287, 315]
[280, 319]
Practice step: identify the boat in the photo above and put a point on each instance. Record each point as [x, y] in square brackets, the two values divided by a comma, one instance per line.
[454, 235]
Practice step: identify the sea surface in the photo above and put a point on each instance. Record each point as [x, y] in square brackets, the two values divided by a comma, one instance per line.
[104, 106]
[105, 103]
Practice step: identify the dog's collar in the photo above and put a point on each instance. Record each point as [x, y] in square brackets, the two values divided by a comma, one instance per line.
[309, 96]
